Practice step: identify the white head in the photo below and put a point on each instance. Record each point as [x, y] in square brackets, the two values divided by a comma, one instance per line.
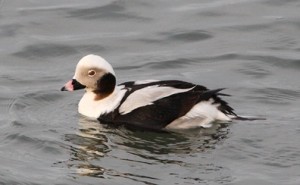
[93, 73]
[93, 62]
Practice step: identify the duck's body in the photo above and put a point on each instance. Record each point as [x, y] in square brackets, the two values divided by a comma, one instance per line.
[150, 104]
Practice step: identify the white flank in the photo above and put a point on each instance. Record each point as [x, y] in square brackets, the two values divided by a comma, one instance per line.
[147, 96]
[201, 115]
[93, 109]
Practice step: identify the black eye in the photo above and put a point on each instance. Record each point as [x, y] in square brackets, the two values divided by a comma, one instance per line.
[91, 73]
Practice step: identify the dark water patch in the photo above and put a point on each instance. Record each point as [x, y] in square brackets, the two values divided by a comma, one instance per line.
[115, 10]
[177, 36]
[150, 40]
[188, 36]
[9, 30]
[18, 123]
[45, 50]
[211, 14]
[227, 56]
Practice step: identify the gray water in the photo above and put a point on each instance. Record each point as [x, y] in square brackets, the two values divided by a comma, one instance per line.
[251, 47]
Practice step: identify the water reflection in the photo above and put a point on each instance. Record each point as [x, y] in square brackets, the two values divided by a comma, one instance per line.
[178, 142]
[94, 144]
[86, 145]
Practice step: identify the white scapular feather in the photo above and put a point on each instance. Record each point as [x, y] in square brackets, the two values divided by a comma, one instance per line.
[147, 96]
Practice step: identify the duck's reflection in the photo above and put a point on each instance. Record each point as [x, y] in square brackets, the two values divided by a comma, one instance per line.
[95, 143]
[88, 144]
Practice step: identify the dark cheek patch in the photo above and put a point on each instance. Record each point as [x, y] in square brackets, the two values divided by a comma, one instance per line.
[105, 86]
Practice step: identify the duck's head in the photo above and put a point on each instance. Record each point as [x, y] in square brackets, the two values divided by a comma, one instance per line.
[93, 73]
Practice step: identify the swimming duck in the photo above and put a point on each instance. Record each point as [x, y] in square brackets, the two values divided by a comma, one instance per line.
[153, 104]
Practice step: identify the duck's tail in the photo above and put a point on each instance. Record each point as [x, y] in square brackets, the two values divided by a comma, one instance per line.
[247, 118]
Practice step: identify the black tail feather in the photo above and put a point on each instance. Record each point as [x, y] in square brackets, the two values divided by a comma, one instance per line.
[223, 105]
[241, 118]
[222, 94]
[210, 93]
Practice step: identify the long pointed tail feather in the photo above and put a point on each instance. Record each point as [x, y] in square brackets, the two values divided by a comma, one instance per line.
[245, 118]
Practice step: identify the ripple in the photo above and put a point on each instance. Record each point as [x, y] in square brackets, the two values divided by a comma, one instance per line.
[284, 158]
[45, 50]
[280, 62]
[277, 95]
[35, 107]
[167, 64]
[115, 10]
[177, 36]
[21, 140]
[189, 36]
[256, 71]
[251, 27]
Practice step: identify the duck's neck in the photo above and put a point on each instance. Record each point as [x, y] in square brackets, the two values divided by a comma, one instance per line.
[94, 104]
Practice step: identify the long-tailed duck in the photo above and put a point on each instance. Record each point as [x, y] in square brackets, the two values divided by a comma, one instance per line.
[168, 104]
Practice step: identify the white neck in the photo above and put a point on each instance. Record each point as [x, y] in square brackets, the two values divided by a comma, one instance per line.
[92, 108]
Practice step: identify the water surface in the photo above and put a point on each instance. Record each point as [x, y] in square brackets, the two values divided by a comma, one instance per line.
[251, 47]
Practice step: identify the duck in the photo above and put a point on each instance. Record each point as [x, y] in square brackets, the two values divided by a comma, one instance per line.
[149, 104]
